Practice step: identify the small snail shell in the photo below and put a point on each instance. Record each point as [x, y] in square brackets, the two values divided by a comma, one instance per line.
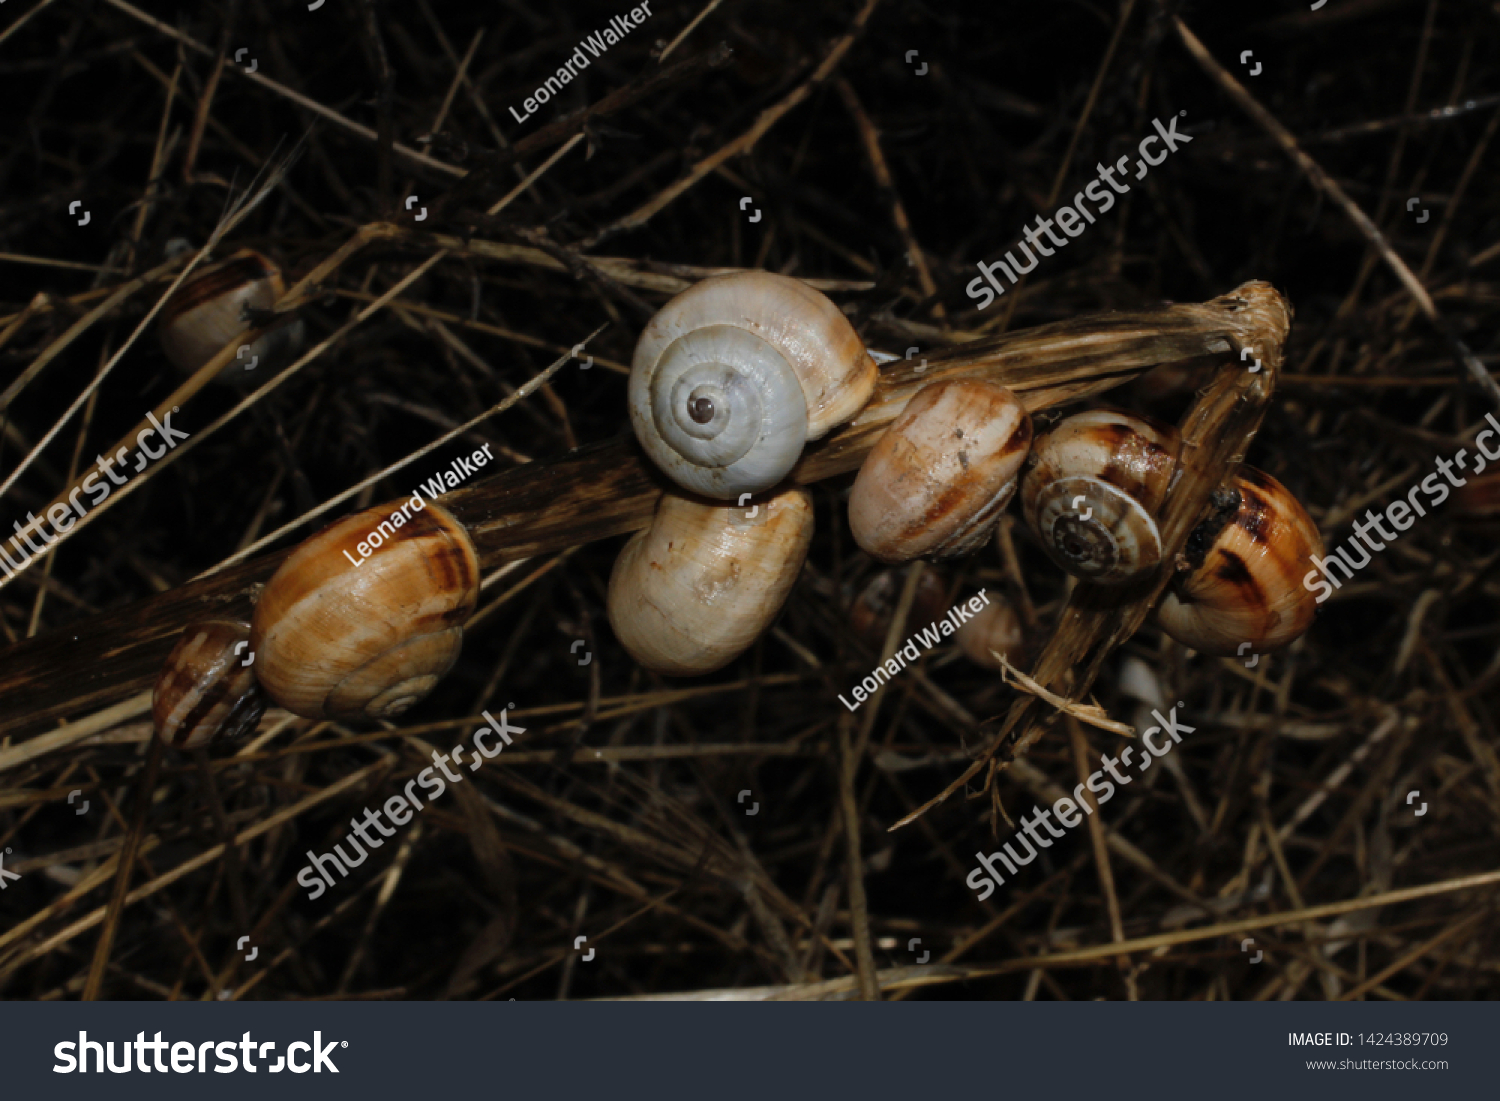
[936, 482]
[208, 311]
[335, 639]
[1249, 588]
[205, 693]
[736, 373]
[692, 592]
[1479, 500]
[871, 611]
[1093, 492]
[997, 627]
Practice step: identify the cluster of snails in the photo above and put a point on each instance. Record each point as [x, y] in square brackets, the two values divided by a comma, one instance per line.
[736, 374]
[330, 640]
[729, 381]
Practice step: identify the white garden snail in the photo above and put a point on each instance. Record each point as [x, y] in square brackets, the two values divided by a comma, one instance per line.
[936, 482]
[736, 373]
[339, 636]
[1093, 491]
[205, 693]
[210, 309]
[1248, 587]
[690, 593]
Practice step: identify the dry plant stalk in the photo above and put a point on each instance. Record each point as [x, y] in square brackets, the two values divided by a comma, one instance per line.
[1216, 432]
[608, 489]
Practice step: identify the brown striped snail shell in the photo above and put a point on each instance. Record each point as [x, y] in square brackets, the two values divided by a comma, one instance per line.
[1248, 588]
[364, 618]
[736, 373]
[1093, 491]
[935, 484]
[690, 594]
[210, 309]
[205, 693]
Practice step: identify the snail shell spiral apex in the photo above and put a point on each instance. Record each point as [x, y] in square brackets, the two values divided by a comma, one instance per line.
[340, 636]
[736, 373]
[1093, 492]
[205, 693]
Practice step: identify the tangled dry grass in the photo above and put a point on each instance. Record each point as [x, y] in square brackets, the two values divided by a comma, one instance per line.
[621, 815]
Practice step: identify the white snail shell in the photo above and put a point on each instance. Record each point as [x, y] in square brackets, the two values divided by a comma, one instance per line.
[208, 311]
[693, 591]
[335, 639]
[1093, 491]
[736, 373]
[938, 479]
[1248, 588]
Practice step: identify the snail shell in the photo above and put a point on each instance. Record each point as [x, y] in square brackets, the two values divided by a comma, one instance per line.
[997, 627]
[335, 639]
[736, 373]
[209, 310]
[205, 693]
[693, 591]
[871, 611]
[1478, 501]
[936, 482]
[1093, 492]
[1249, 587]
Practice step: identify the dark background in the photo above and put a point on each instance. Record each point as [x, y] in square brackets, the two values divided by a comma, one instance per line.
[492, 894]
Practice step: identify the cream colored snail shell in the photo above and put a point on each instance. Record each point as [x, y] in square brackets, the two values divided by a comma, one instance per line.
[338, 635]
[691, 593]
[205, 693]
[1248, 588]
[209, 310]
[995, 627]
[1093, 491]
[736, 373]
[935, 484]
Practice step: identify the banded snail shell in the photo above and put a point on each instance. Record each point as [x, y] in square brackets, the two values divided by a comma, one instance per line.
[339, 636]
[1093, 491]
